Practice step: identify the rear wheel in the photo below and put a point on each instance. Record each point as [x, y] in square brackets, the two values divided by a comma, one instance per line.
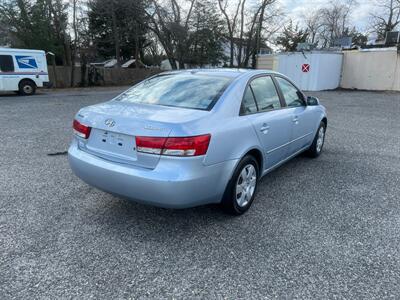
[242, 187]
[319, 139]
[27, 87]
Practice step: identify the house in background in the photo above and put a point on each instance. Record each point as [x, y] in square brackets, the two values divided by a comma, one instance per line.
[131, 63]
[226, 48]
[226, 45]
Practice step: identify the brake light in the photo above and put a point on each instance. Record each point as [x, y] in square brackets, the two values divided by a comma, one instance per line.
[174, 146]
[149, 144]
[81, 130]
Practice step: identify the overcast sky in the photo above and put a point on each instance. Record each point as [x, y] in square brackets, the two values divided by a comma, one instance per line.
[360, 15]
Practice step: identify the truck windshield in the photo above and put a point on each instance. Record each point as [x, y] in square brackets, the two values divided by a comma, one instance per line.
[196, 91]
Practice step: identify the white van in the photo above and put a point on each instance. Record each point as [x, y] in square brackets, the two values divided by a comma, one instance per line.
[23, 70]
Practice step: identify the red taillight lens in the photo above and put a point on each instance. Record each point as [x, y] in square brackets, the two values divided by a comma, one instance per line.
[150, 144]
[187, 146]
[175, 146]
[81, 130]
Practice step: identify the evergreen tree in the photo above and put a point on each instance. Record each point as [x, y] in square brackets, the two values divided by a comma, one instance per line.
[291, 37]
[117, 28]
[37, 25]
[206, 32]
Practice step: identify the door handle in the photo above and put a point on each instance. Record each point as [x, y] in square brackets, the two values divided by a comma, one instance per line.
[264, 129]
[296, 119]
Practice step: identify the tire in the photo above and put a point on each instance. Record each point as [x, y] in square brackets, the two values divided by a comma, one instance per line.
[27, 88]
[318, 142]
[238, 203]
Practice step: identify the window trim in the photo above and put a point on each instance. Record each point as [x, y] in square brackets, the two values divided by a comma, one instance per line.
[13, 64]
[242, 112]
[281, 100]
[295, 86]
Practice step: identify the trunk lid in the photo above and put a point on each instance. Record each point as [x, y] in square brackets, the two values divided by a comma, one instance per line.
[116, 124]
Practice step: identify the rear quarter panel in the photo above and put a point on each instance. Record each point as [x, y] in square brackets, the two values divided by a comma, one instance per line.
[231, 137]
[232, 140]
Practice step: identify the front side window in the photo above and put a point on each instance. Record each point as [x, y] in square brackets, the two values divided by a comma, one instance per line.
[265, 93]
[6, 63]
[291, 94]
[196, 91]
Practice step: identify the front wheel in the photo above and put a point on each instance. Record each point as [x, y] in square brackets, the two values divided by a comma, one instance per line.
[319, 139]
[242, 187]
[27, 88]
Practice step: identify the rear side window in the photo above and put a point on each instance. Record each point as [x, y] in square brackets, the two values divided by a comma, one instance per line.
[265, 93]
[249, 105]
[291, 94]
[6, 63]
[197, 91]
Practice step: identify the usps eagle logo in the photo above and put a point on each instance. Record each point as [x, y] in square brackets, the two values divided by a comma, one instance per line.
[26, 62]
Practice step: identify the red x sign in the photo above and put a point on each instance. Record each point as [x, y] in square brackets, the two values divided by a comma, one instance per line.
[305, 68]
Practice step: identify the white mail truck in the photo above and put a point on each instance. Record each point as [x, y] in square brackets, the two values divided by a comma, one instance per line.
[23, 70]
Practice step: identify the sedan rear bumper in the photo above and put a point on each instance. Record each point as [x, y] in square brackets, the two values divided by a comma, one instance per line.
[174, 183]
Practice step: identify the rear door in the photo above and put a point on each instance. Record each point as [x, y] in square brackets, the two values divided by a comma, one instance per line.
[263, 106]
[302, 116]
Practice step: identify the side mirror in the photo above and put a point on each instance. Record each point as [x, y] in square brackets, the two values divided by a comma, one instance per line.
[312, 101]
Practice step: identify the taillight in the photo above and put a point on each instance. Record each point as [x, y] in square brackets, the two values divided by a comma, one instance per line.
[149, 144]
[174, 146]
[187, 146]
[81, 130]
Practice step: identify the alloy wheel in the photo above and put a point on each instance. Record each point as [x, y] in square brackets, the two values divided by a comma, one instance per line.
[320, 139]
[246, 185]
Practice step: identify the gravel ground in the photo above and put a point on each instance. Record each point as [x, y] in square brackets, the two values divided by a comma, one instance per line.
[323, 228]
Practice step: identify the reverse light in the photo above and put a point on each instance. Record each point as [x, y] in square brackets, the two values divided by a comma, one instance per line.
[174, 146]
[81, 130]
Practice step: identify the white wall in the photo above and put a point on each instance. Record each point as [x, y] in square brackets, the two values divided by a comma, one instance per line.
[368, 69]
[373, 69]
[324, 73]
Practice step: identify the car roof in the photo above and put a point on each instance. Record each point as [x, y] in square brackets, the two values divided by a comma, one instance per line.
[223, 72]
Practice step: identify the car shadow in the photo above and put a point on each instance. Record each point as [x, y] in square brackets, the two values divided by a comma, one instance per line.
[159, 223]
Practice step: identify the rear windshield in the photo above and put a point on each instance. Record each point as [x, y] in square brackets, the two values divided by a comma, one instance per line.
[195, 91]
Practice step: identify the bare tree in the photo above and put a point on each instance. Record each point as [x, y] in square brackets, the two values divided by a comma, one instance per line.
[267, 25]
[115, 31]
[313, 24]
[231, 22]
[74, 43]
[248, 25]
[240, 46]
[261, 22]
[387, 16]
[335, 19]
[171, 28]
[60, 20]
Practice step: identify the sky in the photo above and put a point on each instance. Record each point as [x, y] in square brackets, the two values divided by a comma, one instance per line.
[360, 15]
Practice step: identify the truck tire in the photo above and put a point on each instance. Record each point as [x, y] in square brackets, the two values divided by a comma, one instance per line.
[27, 87]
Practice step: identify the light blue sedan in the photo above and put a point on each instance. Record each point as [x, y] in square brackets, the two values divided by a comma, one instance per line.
[187, 138]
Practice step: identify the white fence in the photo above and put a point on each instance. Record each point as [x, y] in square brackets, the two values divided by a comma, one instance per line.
[370, 69]
[374, 69]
